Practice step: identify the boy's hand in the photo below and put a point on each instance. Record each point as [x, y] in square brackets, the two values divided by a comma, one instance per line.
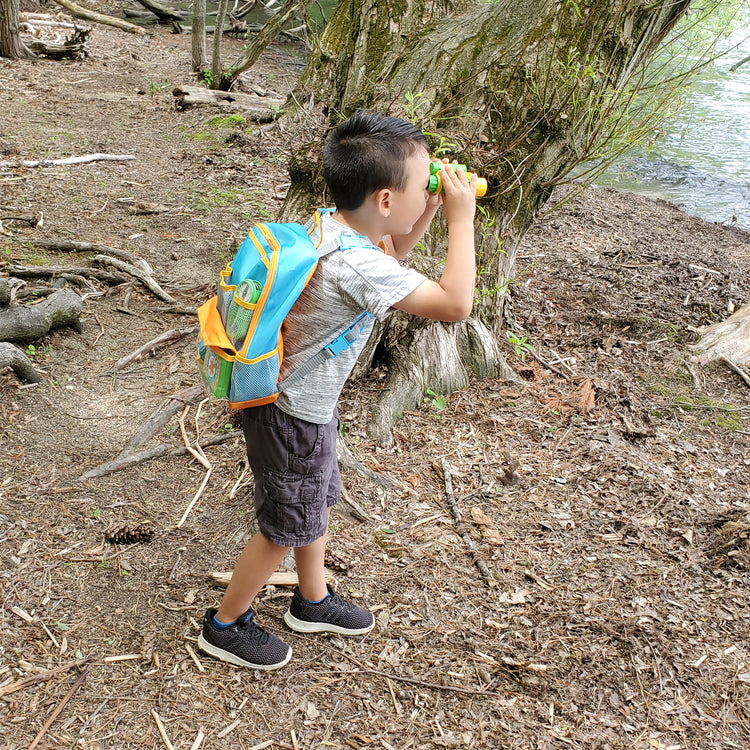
[459, 201]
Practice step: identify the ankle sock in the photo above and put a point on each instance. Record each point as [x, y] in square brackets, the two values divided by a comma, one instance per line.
[221, 625]
[319, 600]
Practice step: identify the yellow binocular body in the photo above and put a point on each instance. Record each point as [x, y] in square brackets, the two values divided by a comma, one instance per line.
[435, 184]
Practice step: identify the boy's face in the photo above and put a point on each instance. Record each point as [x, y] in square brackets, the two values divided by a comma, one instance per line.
[409, 204]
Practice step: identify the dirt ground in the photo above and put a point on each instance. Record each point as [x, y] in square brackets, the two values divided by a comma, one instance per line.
[615, 614]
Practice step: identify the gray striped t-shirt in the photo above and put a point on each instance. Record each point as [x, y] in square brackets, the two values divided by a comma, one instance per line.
[345, 284]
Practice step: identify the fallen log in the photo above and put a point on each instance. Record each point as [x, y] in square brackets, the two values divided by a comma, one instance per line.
[258, 108]
[164, 14]
[90, 15]
[74, 47]
[11, 356]
[24, 322]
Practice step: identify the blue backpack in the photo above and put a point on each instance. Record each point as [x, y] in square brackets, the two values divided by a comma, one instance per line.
[240, 346]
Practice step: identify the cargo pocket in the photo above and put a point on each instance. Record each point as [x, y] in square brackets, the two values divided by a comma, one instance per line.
[292, 509]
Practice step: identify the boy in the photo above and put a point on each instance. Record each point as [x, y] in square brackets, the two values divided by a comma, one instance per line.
[377, 170]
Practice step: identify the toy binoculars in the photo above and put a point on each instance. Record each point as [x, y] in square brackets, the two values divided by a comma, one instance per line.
[435, 185]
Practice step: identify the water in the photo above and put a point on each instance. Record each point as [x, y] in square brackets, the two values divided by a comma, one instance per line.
[701, 160]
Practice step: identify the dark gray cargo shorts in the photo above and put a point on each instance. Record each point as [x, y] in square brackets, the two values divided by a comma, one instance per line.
[296, 473]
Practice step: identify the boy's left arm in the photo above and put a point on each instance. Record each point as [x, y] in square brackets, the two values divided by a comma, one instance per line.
[400, 245]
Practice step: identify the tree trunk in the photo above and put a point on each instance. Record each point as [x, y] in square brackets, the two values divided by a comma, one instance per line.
[198, 38]
[218, 36]
[520, 90]
[11, 45]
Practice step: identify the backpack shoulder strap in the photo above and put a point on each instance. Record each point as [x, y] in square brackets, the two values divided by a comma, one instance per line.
[330, 351]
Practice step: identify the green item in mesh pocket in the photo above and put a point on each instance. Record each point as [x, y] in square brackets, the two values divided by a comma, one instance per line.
[240, 345]
[241, 309]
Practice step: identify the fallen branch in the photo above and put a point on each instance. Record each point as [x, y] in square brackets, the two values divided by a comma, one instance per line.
[198, 454]
[47, 724]
[364, 669]
[66, 161]
[44, 272]
[41, 677]
[456, 513]
[69, 246]
[156, 451]
[162, 730]
[146, 279]
[166, 338]
[739, 63]
[11, 356]
[159, 419]
[90, 15]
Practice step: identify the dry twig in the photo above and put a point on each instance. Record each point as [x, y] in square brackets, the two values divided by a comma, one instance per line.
[456, 513]
[47, 724]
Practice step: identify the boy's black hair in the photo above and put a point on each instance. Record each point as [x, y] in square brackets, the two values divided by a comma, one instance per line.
[366, 153]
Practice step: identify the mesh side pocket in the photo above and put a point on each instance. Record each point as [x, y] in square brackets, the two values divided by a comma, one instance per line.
[224, 293]
[254, 378]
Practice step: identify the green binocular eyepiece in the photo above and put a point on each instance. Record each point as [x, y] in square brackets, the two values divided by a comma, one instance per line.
[435, 184]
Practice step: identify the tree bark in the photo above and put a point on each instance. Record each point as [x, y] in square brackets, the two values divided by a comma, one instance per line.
[198, 38]
[728, 339]
[218, 36]
[11, 45]
[520, 90]
[11, 356]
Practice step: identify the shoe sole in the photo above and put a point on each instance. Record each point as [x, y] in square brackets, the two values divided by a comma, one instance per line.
[231, 658]
[303, 626]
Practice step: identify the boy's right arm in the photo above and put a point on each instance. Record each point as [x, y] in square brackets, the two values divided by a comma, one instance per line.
[452, 298]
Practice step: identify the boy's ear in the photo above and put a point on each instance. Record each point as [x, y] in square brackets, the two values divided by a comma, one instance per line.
[383, 201]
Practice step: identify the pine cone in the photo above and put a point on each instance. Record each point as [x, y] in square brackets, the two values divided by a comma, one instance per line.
[148, 648]
[336, 562]
[130, 535]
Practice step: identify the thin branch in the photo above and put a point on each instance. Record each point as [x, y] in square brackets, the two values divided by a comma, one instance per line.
[47, 724]
[67, 161]
[168, 337]
[147, 454]
[456, 513]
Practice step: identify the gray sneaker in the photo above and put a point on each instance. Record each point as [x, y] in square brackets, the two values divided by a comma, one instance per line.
[333, 615]
[244, 643]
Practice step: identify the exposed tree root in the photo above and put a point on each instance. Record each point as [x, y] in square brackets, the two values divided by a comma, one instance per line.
[729, 339]
[24, 322]
[426, 355]
[11, 356]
